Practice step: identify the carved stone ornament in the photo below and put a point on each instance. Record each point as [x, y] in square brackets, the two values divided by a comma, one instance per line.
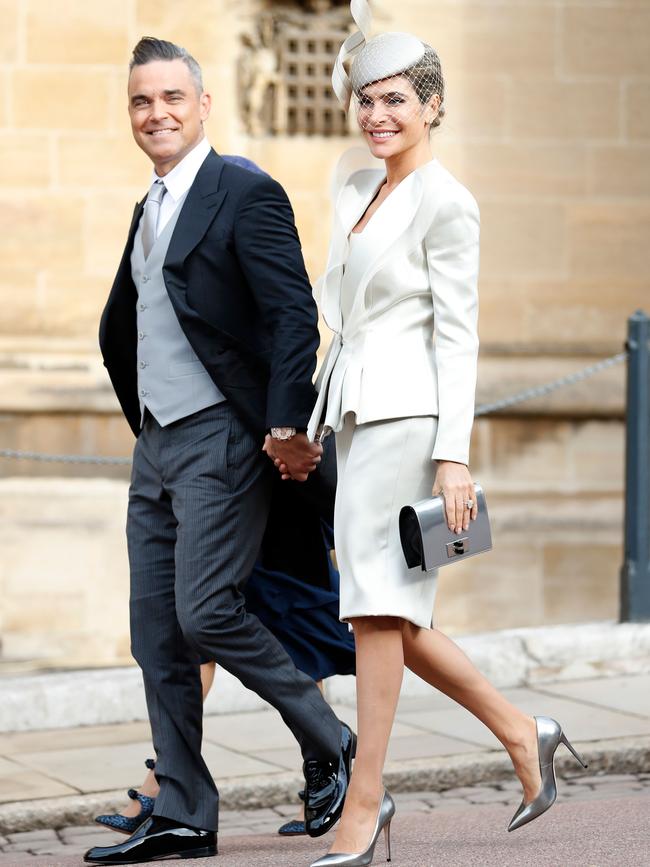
[286, 65]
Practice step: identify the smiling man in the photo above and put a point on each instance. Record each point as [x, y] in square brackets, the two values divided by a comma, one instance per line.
[209, 336]
[167, 107]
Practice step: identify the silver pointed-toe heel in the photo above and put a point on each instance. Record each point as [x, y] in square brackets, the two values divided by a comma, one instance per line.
[549, 738]
[362, 859]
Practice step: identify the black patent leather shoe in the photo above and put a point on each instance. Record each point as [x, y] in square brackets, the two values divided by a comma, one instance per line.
[156, 839]
[326, 785]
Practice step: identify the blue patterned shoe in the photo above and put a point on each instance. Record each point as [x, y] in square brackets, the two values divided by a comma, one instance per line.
[294, 828]
[129, 824]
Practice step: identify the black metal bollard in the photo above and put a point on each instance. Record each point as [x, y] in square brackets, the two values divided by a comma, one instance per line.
[635, 572]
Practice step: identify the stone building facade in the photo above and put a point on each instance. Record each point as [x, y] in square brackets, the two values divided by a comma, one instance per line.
[548, 123]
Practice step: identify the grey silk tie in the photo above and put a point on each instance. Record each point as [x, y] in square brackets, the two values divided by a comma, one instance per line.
[150, 216]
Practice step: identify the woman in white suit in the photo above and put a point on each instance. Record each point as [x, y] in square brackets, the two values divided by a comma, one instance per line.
[397, 388]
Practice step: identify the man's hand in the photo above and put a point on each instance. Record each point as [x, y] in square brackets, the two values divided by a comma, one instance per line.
[294, 458]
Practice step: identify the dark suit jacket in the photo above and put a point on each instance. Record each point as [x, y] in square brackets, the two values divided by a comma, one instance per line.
[236, 279]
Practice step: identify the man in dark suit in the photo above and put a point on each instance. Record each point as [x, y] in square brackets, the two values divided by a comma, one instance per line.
[209, 337]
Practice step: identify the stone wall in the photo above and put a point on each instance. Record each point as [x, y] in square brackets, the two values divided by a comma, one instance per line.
[64, 574]
[548, 108]
[547, 123]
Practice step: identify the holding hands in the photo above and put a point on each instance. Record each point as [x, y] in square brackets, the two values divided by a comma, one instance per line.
[454, 482]
[294, 458]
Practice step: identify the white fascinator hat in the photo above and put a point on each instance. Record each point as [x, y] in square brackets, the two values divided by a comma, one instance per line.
[385, 56]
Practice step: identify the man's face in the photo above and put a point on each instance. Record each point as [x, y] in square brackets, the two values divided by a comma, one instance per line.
[166, 111]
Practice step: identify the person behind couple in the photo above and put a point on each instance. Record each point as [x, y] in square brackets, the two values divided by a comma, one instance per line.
[397, 388]
[209, 336]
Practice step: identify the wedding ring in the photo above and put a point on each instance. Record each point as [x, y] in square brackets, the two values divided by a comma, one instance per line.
[469, 504]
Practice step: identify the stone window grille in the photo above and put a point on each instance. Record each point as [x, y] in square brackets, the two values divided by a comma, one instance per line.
[306, 62]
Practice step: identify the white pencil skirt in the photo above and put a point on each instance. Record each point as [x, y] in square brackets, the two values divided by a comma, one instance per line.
[382, 466]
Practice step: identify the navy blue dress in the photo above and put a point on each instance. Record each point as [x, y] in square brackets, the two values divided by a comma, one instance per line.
[304, 617]
[294, 587]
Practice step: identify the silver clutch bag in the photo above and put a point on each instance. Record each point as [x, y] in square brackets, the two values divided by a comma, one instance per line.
[428, 542]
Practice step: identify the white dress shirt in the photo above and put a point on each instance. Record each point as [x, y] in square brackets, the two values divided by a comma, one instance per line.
[179, 180]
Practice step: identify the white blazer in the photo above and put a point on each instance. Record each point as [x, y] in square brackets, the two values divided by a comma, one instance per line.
[409, 344]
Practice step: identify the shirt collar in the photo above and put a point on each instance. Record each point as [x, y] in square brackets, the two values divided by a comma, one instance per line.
[181, 177]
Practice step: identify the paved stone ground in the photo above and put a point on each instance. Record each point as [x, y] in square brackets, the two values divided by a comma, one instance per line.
[257, 746]
[71, 842]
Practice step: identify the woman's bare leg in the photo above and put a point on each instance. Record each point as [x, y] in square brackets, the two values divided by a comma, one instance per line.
[207, 677]
[150, 786]
[440, 662]
[380, 668]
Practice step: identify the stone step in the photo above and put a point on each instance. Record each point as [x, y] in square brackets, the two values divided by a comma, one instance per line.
[509, 658]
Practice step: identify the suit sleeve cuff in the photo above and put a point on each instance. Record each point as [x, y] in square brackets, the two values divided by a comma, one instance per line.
[445, 453]
[290, 405]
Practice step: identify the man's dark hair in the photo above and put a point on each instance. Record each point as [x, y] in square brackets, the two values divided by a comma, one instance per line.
[149, 49]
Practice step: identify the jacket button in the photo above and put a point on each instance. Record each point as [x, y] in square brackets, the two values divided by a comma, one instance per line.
[145, 278]
[141, 335]
[143, 364]
[142, 306]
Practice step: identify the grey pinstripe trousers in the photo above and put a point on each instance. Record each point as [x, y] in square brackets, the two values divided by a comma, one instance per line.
[198, 505]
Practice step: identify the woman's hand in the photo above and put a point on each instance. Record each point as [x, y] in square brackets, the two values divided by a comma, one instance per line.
[454, 482]
[294, 458]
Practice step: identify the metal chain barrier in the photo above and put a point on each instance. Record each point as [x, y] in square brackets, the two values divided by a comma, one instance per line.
[482, 409]
[543, 390]
[64, 459]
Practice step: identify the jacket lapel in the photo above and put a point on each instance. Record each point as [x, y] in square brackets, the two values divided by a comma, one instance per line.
[389, 227]
[399, 225]
[203, 201]
[135, 219]
[122, 283]
[351, 203]
[124, 268]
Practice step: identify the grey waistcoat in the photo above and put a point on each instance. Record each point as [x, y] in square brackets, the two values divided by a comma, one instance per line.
[172, 382]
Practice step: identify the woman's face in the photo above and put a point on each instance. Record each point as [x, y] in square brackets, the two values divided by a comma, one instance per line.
[392, 118]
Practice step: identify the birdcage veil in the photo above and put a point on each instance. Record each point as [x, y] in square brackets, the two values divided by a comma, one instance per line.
[398, 69]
